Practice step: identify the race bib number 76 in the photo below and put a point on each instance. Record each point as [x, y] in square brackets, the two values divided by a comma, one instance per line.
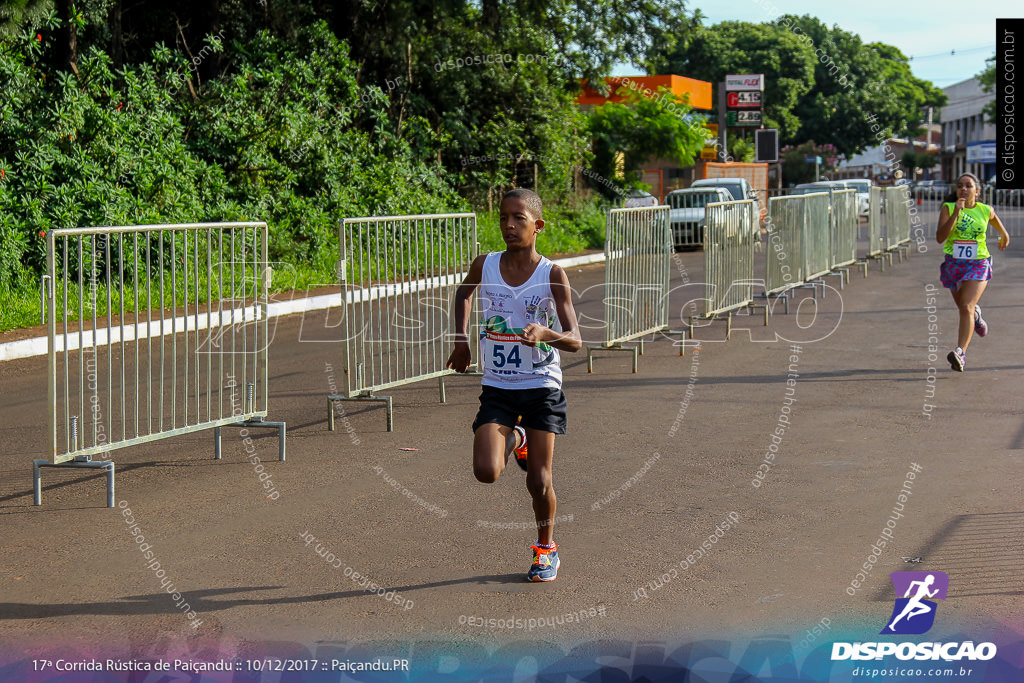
[965, 249]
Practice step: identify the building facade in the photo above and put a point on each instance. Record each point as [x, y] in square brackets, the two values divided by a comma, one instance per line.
[968, 140]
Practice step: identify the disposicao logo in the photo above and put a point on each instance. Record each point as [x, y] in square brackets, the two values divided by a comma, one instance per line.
[914, 613]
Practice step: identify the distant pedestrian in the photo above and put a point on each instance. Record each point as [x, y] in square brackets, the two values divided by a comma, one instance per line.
[967, 267]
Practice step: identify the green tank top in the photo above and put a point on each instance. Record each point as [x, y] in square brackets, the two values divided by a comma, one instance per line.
[967, 238]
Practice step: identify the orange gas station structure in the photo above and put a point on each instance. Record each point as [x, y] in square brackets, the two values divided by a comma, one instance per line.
[663, 175]
[697, 92]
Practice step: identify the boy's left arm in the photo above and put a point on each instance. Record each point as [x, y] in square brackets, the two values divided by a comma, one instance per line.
[569, 338]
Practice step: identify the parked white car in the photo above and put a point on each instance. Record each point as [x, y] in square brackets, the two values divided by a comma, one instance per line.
[739, 188]
[688, 211]
[863, 188]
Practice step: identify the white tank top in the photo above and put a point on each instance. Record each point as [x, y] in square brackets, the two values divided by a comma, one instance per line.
[504, 311]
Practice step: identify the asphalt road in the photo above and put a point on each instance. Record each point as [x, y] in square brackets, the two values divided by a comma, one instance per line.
[653, 464]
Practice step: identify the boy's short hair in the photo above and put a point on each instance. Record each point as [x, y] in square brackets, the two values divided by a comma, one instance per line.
[531, 198]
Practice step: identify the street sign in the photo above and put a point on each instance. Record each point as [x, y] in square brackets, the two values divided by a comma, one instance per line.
[812, 160]
[745, 82]
[766, 145]
[743, 117]
[743, 99]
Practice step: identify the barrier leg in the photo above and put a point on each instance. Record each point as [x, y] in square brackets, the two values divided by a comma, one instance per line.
[386, 400]
[37, 484]
[631, 349]
[682, 342]
[37, 493]
[263, 424]
[440, 388]
[216, 443]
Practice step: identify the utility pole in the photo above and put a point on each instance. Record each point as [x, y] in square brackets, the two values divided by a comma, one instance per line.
[723, 152]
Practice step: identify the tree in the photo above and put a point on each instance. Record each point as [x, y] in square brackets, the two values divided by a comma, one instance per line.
[796, 169]
[821, 83]
[860, 90]
[737, 47]
[15, 14]
[639, 128]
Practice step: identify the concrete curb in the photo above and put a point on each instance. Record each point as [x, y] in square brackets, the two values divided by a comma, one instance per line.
[37, 346]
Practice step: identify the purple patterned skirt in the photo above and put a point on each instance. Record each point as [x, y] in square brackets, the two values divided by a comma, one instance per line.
[954, 270]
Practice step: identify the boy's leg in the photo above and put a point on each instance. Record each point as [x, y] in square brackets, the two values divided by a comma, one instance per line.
[538, 481]
[492, 444]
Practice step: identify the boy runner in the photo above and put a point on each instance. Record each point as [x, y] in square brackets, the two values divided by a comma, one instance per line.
[528, 317]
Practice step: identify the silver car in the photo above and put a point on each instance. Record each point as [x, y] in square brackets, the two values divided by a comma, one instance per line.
[863, 195]
[687, 213]
[863, 188]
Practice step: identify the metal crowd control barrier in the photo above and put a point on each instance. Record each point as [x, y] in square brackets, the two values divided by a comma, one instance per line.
[399, 275]
[171, 337]
[730, 230]
[816, 238]
[784, 267]
[875, 246]
[688, 213]
[1009, 206]
[638, 253]
[845, 223]
[897, 219]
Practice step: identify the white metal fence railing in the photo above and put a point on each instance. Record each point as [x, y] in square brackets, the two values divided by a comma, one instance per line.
[897, 216]
[154, 331]
[845, 224]
[816, 240]
[638, 254]
[1009, 206]
[730, 232]
[399, 275]
[875, 207]
[784, 267]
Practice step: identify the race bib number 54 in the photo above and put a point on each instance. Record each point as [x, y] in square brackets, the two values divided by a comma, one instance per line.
[504, 352]
[965, 249]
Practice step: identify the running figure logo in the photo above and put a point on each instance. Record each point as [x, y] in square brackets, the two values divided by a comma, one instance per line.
[913, 613]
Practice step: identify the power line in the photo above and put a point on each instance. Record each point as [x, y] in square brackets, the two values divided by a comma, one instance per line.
[951, 53]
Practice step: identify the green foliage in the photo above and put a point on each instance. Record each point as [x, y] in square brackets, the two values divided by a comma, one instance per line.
[741, 150]
[639, 128]
[14, 14]
[796, 170]
[737, 47]
[821, 83]
[860, 90]
[567, 229]
[275, 141]
[911, 160]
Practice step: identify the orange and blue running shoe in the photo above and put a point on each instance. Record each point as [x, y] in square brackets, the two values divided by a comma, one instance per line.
[545, 563]
[521, 450]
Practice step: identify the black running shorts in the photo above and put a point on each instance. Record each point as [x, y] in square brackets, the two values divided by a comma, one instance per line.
[542, 409]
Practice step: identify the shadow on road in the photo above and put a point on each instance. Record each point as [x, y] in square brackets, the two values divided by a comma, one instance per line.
[204, 601]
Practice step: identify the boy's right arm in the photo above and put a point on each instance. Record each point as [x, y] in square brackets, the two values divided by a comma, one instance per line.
[461, 356]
